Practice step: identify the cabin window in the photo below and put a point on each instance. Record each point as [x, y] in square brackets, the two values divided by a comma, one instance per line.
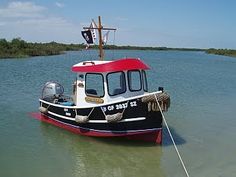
[116, 83]
[145, 84]
[134, 78]
[94, 85]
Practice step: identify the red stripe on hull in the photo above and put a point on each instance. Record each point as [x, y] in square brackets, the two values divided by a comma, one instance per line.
[149, 135]
[153, 136]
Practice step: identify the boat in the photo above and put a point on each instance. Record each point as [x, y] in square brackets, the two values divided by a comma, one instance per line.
[110, 98]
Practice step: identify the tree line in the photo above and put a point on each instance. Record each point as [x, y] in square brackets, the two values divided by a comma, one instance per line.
[18, 48]
[227, 52]
[149, 48]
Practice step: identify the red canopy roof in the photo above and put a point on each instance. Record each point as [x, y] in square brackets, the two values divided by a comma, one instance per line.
[116, 65]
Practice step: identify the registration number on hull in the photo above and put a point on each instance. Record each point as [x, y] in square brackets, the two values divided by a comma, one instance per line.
[119, 106]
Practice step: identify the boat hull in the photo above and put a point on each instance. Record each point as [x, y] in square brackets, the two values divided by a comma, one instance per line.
[138, 121]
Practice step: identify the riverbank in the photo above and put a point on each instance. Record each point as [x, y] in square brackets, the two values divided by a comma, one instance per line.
[226, 52]
[18, 48]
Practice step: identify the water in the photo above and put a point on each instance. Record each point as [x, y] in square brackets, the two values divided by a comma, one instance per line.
[201, 117]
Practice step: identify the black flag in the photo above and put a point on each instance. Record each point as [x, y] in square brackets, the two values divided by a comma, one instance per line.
[87, 35]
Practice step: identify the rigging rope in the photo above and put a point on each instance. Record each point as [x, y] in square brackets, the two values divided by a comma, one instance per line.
[173, 141]
[114, 39]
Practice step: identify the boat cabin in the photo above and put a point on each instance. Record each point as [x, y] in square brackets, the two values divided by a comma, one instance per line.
[101, 82]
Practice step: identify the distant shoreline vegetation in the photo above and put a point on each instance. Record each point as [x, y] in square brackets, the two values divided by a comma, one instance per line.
[226, 52]
[149, 48]
[18, 48]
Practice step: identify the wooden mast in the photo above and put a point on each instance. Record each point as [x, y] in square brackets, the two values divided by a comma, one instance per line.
[101, 53]
[100, 28]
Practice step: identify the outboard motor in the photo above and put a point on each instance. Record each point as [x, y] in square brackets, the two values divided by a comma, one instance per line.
[51, 91]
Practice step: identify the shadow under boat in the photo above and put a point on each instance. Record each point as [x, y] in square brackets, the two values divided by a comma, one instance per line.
[166, 141]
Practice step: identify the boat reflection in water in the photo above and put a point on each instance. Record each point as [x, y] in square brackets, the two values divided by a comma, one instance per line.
[83, 156]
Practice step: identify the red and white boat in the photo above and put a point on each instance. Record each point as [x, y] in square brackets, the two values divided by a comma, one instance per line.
[109, 99]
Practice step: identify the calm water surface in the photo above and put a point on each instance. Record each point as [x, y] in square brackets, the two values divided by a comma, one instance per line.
[202, 119]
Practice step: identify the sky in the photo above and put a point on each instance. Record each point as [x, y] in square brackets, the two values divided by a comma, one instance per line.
[156, 23]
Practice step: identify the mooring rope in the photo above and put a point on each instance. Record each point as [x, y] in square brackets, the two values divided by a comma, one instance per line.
[173, 141]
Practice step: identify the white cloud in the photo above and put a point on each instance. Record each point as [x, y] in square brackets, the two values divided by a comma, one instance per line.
[19, 9]
[35, 23]
[60, 5]
[42, 30]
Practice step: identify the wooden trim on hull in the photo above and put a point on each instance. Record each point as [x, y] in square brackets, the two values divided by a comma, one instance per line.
[150, 135]
[100, 105]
